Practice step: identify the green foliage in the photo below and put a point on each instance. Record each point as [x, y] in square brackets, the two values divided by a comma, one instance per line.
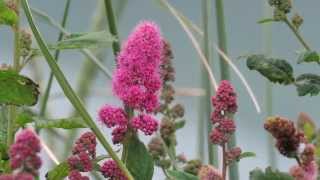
[308, 84]
[180, 124]
[23, 118]
[59, 172]
[269, 174]
[309, 56]
[180, 175]
[17, 89]
[138, 160]
[86, 40]
[247, 155]
[4, 124]
[7, 15]
[276, 70]
[64, 123]
[266, 20]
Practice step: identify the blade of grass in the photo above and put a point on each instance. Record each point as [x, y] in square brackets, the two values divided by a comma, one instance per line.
[267, 48]
[112, 25]
[205, 105]
[70, 94]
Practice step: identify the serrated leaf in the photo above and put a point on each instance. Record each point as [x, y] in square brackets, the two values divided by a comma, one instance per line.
[59, 172]
[247, 155]
[180, 175]
[269, 174]
[276, 70]
[138, 160]
[266, 20]
[64, 123]
[308, 84]
[7, 15]
[309, 56]
[17, 89]
[180, 124]
[86, 40]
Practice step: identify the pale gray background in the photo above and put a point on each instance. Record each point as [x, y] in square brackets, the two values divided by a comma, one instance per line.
[244, 36]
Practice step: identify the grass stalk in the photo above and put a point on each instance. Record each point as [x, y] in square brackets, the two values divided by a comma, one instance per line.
[112, 25]
[46, 94]
[225, 74]
[205, 105]
[267, 49]
[69, 92]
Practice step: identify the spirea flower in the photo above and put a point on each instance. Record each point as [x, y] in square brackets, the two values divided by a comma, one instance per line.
[167, 70]
[118, 134]
[305, 172]
[110, 170]
[112, 116]
[76, 175]
[24, 152]
[208, 172]
[218, 137]
[233, 154]
[19, 176]
[288, 138]
[81, 162]
[137, 77]
[226, 126]
[145, 123]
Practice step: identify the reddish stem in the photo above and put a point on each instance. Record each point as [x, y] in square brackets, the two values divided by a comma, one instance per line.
[224, 163]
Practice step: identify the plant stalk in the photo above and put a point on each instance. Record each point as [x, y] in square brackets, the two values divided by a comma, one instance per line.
[112, 26]
[69, 92]
[224, 163]
[46, 94]
[225, 74]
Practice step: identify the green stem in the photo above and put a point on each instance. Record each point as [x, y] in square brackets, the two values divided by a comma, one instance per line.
[225, 75]
[69, 92]
[205, 105]
[16, 64]
[297, 34]
[224, 163]
[112, 26]
[56, 57]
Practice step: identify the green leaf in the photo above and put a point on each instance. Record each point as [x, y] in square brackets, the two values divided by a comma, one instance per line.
[307, 126]
[308, 84]
[23, 118]
[180, 175]
[266, 20]
[86, 40]
[64, 123]
[247, 155]
[309, 56]
[180, 124]
[138, 160]
[17, 89]
[7, 15]
[269, 174]
[276, 70]
[59, 172]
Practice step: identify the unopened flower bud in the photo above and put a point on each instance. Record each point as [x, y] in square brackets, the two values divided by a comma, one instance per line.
[167, 128]
[182, 158]
[25, 42]
[208, 172]
[297, 20]
[156, 148]
[177, 111]
[167, 93]
[193, 167]
[233, 155]
[278, 15]
[165, 163]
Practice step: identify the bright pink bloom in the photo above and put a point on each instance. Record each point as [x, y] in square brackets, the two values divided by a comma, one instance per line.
[81, 162]
[86, 143]
[145, 123]
[138, 73]
[6, 177]
[76, 175]
[23, 153]
[226, 126]
[118, 134]
[110, 170]
[217, 137]
[112, 116]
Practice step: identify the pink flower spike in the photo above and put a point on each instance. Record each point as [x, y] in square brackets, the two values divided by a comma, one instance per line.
[145, 123]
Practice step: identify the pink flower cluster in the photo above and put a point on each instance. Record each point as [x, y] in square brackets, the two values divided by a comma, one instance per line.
[308, 169]
[19, 176]
[110, 170]
[83, 153]
[225, 104]
[137, 77]
[208, 172]
[136, 82]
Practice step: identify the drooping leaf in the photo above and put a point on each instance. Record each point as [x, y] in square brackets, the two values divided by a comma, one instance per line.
[247, 155]
[138, 160]
[64, 123]
[309, 56]
[59, 172]
[276, 70]
[17, 89]
[180, 124]
[180, 175]
[42, 16]
[269, 174]
[306, 125]
[308, 84]
[86, 40]
[7, 15]
[266, 20]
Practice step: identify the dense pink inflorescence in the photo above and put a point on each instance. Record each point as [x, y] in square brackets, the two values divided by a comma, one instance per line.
[137, 78]
[209, 173]
[110, 170]
[112, 116]
[24, 152]
[76, 175]
[118, 134]
[145, 123]
[19, 176]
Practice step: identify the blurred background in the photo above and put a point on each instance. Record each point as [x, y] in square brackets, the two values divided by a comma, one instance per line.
[244, 36]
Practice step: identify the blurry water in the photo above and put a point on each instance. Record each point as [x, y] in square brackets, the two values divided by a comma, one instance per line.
[244, 36]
